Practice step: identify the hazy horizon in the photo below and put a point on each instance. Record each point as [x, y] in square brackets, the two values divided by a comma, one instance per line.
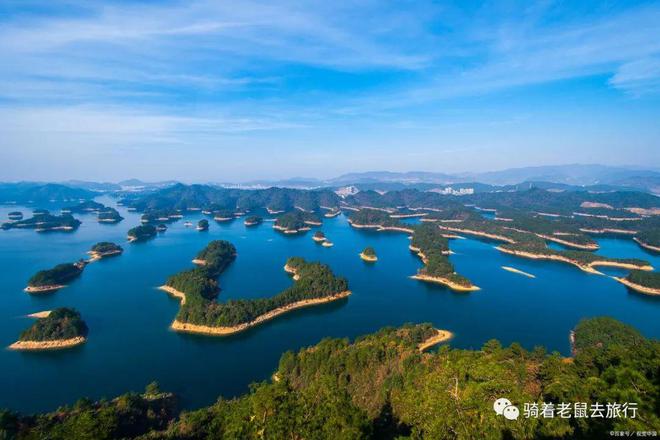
[217, 91]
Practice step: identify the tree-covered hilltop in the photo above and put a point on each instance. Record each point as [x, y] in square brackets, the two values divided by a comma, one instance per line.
[125, 417]
[203, 225]
[142, 232]
[109, 215]
[381, 387]
[428, 237]
[372, 217]
[295, 221]
[312, 281]
[104, 247]
[200, 283]
[27, 192]
[253, 220]
[212, 198]
[644, 278]
[369, 252]
[86, 206]
[62, 323]
[57, 276]
[45, 222]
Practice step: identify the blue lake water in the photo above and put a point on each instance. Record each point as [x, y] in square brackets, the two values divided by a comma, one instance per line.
[130, 343]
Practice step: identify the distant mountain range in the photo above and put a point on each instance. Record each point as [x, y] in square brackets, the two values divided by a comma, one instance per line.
[565, 176]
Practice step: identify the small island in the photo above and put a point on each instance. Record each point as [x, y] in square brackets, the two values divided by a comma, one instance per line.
[83, 207]
[642, 281]
[223, 215]
[253, 220]
[109, 215]
[296, 221]
[319, 236]
[203, 225]
[15, 215]
[369, 254]
[59, 329]
[141, 233]
[54, 279]
[43, 222]
[104, 249]
[327, 243]
[161, 227]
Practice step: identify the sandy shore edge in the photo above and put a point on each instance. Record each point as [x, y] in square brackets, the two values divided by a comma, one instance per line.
[439, 337]
[56, 344]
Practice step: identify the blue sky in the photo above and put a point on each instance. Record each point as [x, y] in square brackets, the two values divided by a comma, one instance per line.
[230, 91]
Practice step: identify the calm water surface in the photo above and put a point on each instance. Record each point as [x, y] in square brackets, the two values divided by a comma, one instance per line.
[130, 344]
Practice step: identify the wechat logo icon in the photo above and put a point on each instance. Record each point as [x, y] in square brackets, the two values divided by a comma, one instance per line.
[504, 407]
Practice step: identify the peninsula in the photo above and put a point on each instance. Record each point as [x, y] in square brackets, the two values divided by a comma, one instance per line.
[104, 249]
[642, 281]
[314, 283]
[61, 328]
[438, 337]
[54, 279]
[141, 233]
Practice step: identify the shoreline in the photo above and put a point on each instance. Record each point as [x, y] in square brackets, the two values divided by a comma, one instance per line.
[445, 282]
[44, 289]
[368, 258]
[380, 228]
[518, 271]
[440, 337]
[478, 233]
[95, 256]
[39, 315]
[589, 267]
[587, 247]
[638, 287]
[199, 262]
[55, 344]
[223, 331]
[173, 292]
[646, 245]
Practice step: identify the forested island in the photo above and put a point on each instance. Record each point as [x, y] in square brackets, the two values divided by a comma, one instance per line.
[142, 233]
[642, 281]
[15, 215]
[224, 215]
[369, 254]
[253, 220]
[62, 328]
[203, 225]
[198, 288]
[83, 207]
[54, 279]
[104, 249]
[376, 219]
[318, 236]
[381, 387]
[44, 221]
[109, 215]
[296, 221]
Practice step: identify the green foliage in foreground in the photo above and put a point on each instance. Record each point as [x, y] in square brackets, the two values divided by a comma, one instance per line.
[381, 387]
[60, 274]
[62, 323]
[644, 278]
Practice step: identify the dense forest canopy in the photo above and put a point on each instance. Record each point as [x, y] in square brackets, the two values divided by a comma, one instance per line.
[106, 246]
[62, 323]
[58, 275]
[142, 232]
[645, 278]
[381, 387]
